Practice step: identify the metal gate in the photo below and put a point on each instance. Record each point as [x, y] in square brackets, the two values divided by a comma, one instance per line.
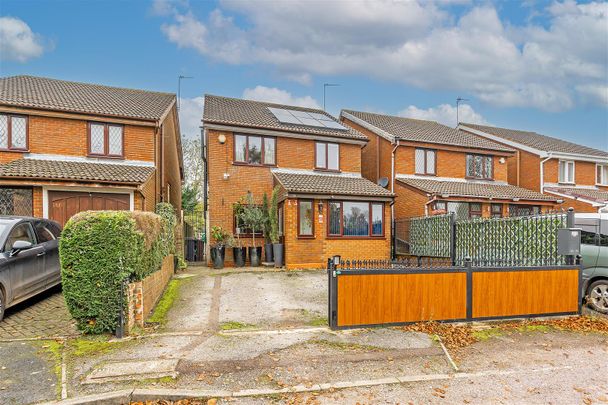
[194, 236]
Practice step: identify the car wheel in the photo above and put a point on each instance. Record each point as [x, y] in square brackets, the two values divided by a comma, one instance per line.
[598, 296]
[2, 304]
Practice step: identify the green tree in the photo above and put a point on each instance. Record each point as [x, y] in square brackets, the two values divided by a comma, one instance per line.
[189, 198]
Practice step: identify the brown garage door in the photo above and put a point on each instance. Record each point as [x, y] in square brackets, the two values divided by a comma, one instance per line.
[64, 204]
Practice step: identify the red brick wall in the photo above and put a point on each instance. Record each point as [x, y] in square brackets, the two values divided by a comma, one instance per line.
[584, 172]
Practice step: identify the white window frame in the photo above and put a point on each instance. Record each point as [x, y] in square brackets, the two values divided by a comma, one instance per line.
[598, 179]
[566, 172]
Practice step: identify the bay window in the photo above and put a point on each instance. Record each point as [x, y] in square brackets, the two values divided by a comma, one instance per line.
[13, 132]
[327, 156]
[566, 171]
[425, 161]
[480, 167]
[255, 150]
[105, 139]
[355, 219]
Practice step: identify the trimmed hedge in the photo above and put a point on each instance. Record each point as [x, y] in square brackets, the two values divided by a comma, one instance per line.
[101, 250]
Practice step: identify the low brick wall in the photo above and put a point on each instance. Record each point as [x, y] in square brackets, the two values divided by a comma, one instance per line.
[143, 295]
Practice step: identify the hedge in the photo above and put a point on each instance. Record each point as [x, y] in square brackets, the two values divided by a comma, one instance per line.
[101, 250]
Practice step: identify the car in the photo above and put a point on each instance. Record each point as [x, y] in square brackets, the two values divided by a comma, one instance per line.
[594, 250]
[29, 258]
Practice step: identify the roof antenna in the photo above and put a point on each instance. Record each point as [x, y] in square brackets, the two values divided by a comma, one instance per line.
[325, 86]
[458, 100]
[179, 87]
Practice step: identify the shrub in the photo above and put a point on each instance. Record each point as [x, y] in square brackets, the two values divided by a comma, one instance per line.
[101, 250]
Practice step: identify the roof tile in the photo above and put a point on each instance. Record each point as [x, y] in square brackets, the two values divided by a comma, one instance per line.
[329, 184]
[597, 195]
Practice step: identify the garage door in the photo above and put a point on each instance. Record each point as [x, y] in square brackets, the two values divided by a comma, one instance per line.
[64, 204]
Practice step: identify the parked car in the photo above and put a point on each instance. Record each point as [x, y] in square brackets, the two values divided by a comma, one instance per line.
[29, 258]
[594, 249]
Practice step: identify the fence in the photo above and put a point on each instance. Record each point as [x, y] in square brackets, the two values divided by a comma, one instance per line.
[387, 293]
[194, 236]
[513, 241]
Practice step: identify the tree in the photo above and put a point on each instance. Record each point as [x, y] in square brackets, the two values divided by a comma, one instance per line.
[194, 168]
[189, 198]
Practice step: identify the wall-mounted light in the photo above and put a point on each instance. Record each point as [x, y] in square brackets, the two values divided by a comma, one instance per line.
[320, 207]
[502, 160]
[221, 139]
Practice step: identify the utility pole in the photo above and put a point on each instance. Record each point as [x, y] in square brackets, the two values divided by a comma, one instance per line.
[179, 87]
[458, 100]
[325, 86]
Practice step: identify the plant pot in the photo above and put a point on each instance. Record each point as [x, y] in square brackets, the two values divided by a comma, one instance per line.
[255, 254]
[239, 253]
[217, 255]
[268, 252]
[277, 249]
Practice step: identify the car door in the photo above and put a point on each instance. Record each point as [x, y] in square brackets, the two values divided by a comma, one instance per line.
[47, 237]
[25, 268]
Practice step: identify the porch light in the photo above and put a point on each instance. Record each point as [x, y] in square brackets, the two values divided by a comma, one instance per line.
[320, 207]
[516, 199]
[221, 139]
[336, 260]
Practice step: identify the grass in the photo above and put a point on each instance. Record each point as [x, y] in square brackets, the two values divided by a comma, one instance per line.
[345, 346]
[313, 318]
[166, 302]
[53, 350]
[485, 334]
[91, 345]
[232, 325]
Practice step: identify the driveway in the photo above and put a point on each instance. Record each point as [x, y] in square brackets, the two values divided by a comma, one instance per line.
[42, 316]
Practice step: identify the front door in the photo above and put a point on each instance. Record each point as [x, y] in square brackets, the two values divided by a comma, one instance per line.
[64, 204]
[26, 268]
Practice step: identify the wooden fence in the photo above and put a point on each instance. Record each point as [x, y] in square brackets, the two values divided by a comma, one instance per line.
[393, 296]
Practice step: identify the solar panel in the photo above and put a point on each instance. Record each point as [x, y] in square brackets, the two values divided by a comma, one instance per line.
[306, 118]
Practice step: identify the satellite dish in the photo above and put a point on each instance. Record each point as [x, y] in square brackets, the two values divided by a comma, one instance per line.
[383, 181]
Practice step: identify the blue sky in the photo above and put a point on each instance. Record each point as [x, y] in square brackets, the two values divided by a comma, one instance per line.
[532, 65]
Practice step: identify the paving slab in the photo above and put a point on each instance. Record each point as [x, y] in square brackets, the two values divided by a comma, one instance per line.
[133, 370]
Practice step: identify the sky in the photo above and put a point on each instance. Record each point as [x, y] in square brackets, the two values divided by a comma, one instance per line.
[530, 65]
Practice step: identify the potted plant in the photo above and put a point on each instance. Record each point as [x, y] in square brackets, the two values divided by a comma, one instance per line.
[266, 230]
[218, 249]
[239, 253]
[253, 217]
[273, 219]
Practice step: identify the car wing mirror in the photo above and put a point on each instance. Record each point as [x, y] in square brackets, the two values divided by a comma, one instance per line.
[18, 246]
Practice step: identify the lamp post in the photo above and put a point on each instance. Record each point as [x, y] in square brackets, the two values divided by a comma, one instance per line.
[179, 87]
[325, 86]
[458, 100]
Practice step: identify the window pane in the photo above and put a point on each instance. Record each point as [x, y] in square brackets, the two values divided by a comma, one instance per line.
[97, 139]
[570, 172]
[3, 131]
[240, 148]
[333, 156]
[488, 167]
[269, 151]
[356, 219]
[305, 218]
[321, 155]
[115, 140]
[478, 167]
[255, 150]
[18, 132]
[562, 172]
[419, 161]
[334, 218]
[470, 171]
[604, 176]
[280, 217]
[20, 232]
[430, 162]
[377, 219]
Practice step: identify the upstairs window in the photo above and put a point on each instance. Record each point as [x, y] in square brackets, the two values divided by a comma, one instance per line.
[425, 161]
[327, 156]
[13, 132]
[480, 167]
[254, 150]
[106, 140]
[602, 175]
[566, 171]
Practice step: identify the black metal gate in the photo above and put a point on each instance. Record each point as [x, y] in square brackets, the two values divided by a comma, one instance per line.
[194, 236]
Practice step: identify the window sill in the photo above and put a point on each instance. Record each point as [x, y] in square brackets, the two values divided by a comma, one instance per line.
[306, 237]
[106, 157]
[601, 185]
[426, 174]
[566, 183]
[356, 237]
[317, 169]
[14, 150]
[252, 165]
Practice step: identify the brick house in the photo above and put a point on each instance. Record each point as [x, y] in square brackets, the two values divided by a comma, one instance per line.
[434, 169]
[67, 147]
[326, 206]
[575, 173]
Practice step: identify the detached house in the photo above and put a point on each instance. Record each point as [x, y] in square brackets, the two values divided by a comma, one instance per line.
[432, 168]
[326, 208]
[574, 173]
[67, 147]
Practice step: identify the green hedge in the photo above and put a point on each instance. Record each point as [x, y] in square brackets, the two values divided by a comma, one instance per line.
[99, 251]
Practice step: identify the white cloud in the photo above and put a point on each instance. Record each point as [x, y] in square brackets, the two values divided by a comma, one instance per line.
[190, 116]
[444, 114]
[17, 41]
[274, 95]
[416, 43]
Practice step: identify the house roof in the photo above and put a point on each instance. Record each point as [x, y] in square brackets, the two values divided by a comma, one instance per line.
[408, 129]
[79, 171]
[472, 189]
[537, 141]
[53, 94]
[596, 195]
[311, 183]
[255, 114]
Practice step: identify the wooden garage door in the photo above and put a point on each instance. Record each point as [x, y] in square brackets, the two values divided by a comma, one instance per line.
[64, 204]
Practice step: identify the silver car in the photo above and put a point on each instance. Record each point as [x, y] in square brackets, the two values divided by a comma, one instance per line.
[29, 258]
[594, 249]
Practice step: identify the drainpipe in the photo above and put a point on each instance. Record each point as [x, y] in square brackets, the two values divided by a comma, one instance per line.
[542, 172]
[393, 180]
[426, 205]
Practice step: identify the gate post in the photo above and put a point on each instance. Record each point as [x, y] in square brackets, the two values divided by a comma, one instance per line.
[453, 238]
[570, 225]
[469, 268]
[332, 299]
